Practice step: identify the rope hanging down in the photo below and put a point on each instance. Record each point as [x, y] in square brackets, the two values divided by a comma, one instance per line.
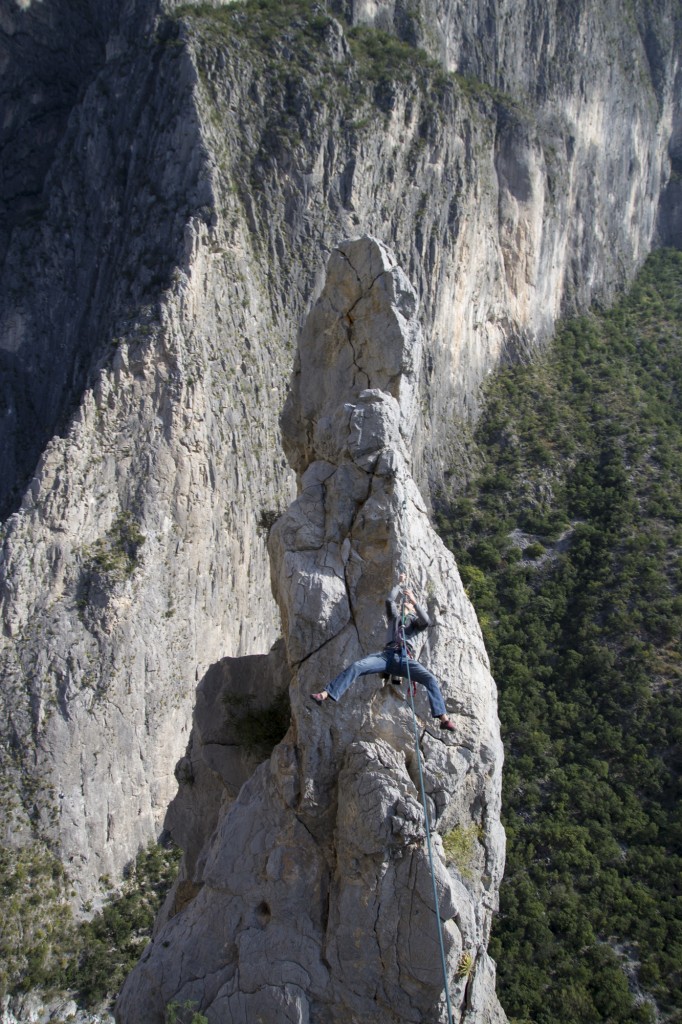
[410, 690]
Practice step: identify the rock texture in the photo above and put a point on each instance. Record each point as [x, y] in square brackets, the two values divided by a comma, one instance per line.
[525, 187]
[313, 896]
[171, 190]
[220, 758]
[137, 556]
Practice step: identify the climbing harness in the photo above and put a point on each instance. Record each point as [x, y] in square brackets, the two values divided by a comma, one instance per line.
[411, 689]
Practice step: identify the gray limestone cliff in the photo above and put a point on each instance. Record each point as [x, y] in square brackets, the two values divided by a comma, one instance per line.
[312, 899]
[172, 184]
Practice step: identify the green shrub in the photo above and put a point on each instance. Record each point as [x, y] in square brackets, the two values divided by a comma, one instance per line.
[534, 550]
[459, 845]
[465, 964]
[184, 1013]
[116, 555]
[112, 942]
[37, 922]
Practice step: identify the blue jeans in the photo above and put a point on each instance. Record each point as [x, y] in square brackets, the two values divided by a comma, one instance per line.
[393, 663]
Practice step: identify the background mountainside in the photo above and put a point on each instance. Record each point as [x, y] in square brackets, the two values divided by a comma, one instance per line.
[172, 185]
[569, 538]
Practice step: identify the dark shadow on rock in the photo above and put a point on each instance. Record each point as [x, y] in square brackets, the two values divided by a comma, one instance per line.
[241, 713]
[92, 220]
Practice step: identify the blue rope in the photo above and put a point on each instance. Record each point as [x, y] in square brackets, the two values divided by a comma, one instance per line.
[426, 817]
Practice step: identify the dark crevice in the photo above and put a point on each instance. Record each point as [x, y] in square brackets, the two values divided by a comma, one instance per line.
[302, 661]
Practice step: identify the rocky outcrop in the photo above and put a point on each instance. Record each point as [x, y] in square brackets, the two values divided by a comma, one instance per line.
[313, 898]
[188, 182]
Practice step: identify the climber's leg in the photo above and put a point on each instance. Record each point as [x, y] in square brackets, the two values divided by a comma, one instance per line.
[364, 667]
[427, 679]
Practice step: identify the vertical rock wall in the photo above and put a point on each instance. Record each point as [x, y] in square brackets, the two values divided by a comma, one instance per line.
[136, 557]
[314, 898]
[525, 188]
[183, 196]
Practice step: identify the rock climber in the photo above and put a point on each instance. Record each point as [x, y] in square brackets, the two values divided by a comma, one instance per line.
[397, 657]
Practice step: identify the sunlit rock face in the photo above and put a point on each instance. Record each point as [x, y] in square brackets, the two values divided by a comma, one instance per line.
[170, 203]
[314, 899]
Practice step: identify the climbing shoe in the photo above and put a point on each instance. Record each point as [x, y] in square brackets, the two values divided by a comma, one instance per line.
[396, 680]
[318, 700]
[446, 723]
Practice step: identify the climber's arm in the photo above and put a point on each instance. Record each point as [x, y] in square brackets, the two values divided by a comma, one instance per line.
[423, 620]
[393, 603]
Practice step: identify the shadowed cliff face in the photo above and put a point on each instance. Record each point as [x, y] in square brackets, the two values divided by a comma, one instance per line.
[50, 53]
[95, 221]
[100, 314]
[192, 185]
[44, 78]
[312, 897]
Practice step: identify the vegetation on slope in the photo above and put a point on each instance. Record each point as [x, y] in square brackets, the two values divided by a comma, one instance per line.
[42, 947]
[569, 540]
[306, 67]
[301, 28]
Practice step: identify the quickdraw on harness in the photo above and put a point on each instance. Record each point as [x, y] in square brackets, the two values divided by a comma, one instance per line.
[411, 689]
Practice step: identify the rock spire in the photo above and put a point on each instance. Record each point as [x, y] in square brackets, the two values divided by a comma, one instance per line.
[313, 899]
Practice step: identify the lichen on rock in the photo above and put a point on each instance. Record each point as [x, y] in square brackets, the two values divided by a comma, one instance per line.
[315, 900]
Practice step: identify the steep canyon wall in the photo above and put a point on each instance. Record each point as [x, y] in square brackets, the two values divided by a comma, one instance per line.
[186, 193]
